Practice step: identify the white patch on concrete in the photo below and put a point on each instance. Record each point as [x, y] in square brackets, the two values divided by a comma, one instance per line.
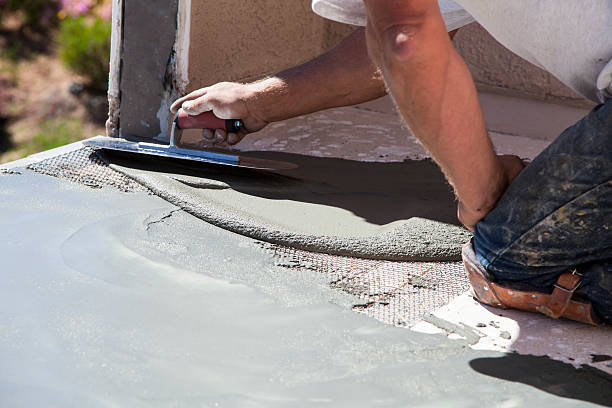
[525, 333]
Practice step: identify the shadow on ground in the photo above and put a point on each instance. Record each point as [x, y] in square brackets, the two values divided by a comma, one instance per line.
[555, 377]
[379, 192]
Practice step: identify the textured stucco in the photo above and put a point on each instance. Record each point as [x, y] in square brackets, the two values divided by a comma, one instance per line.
[496, 69]
[238, 40]
[233, 40]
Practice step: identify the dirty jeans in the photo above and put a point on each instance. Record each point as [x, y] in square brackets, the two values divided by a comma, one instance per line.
[557, 215]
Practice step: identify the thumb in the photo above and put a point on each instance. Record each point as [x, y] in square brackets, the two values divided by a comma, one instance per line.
[197, 106]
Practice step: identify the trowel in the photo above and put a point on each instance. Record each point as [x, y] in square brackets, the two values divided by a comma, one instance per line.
[182, 120]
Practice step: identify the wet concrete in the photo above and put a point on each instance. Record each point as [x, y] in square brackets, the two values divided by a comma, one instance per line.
[390, 211]
[120, 299]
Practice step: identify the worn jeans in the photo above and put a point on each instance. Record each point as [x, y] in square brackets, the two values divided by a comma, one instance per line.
[557, 215]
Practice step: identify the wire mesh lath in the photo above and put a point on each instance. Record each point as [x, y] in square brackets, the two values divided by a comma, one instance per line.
[85, 166]
[397, 293]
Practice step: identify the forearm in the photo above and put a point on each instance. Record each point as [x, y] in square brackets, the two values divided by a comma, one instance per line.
[436, 96]
[343, 76]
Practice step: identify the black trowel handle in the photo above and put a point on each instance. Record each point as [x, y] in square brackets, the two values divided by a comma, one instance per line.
[207, 120]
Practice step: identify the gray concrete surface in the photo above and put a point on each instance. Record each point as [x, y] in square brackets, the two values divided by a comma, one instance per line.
[120, 299]
[327, 205]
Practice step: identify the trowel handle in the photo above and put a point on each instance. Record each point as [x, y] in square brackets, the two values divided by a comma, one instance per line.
[206, 120]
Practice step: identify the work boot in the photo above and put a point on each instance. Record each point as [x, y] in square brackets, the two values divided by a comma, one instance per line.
[557, 303]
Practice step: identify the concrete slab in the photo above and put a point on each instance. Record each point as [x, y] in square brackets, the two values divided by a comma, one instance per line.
[527, 117]
[373, 131]
[523, 333]
[129, 301]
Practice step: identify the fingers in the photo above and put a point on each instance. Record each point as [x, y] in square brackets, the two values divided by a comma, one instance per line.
[233, 138]
[193, 95]
[512, 164]
[197, 106]
[214, 136]
[220, 136]
[464, 217]
[194, 103]
[208, 134]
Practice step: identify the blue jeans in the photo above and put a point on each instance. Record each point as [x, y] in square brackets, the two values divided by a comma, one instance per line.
[557, 215]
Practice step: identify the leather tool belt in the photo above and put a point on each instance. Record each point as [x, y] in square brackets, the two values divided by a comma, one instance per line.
[557, 304]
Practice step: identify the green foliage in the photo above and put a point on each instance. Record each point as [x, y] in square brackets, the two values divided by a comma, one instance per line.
[52, 134]
[85, 48]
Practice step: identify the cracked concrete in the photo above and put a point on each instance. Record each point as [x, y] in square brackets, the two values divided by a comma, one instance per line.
[158, 220]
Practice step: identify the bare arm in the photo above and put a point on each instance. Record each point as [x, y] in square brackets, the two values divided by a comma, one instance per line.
[435, 94]
[343, 76]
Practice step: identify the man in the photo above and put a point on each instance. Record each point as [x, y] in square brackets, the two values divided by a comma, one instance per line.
[542, 234]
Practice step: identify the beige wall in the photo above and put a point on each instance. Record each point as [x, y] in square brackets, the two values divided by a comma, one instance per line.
[238, 40]
[495, 69]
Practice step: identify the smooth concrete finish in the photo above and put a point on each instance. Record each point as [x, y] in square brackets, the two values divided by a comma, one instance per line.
[528, 117]
[388, 211]
[149, 29]
[236, 40]
[131, 302]
[497, 69]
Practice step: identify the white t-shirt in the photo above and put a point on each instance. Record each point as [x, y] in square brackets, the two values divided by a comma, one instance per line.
[353, 12]
[571, 39]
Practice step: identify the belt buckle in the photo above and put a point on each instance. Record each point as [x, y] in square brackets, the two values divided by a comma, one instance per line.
[574, 273]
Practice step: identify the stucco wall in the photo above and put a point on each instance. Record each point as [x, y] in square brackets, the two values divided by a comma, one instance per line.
[230, 40]
[238, 40]
[496, 69]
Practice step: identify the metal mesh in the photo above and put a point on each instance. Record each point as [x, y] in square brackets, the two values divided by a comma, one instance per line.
[85, 166]
[397, 293]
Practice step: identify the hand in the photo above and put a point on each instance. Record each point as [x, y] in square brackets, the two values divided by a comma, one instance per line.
[512, 166]
[227, 100]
